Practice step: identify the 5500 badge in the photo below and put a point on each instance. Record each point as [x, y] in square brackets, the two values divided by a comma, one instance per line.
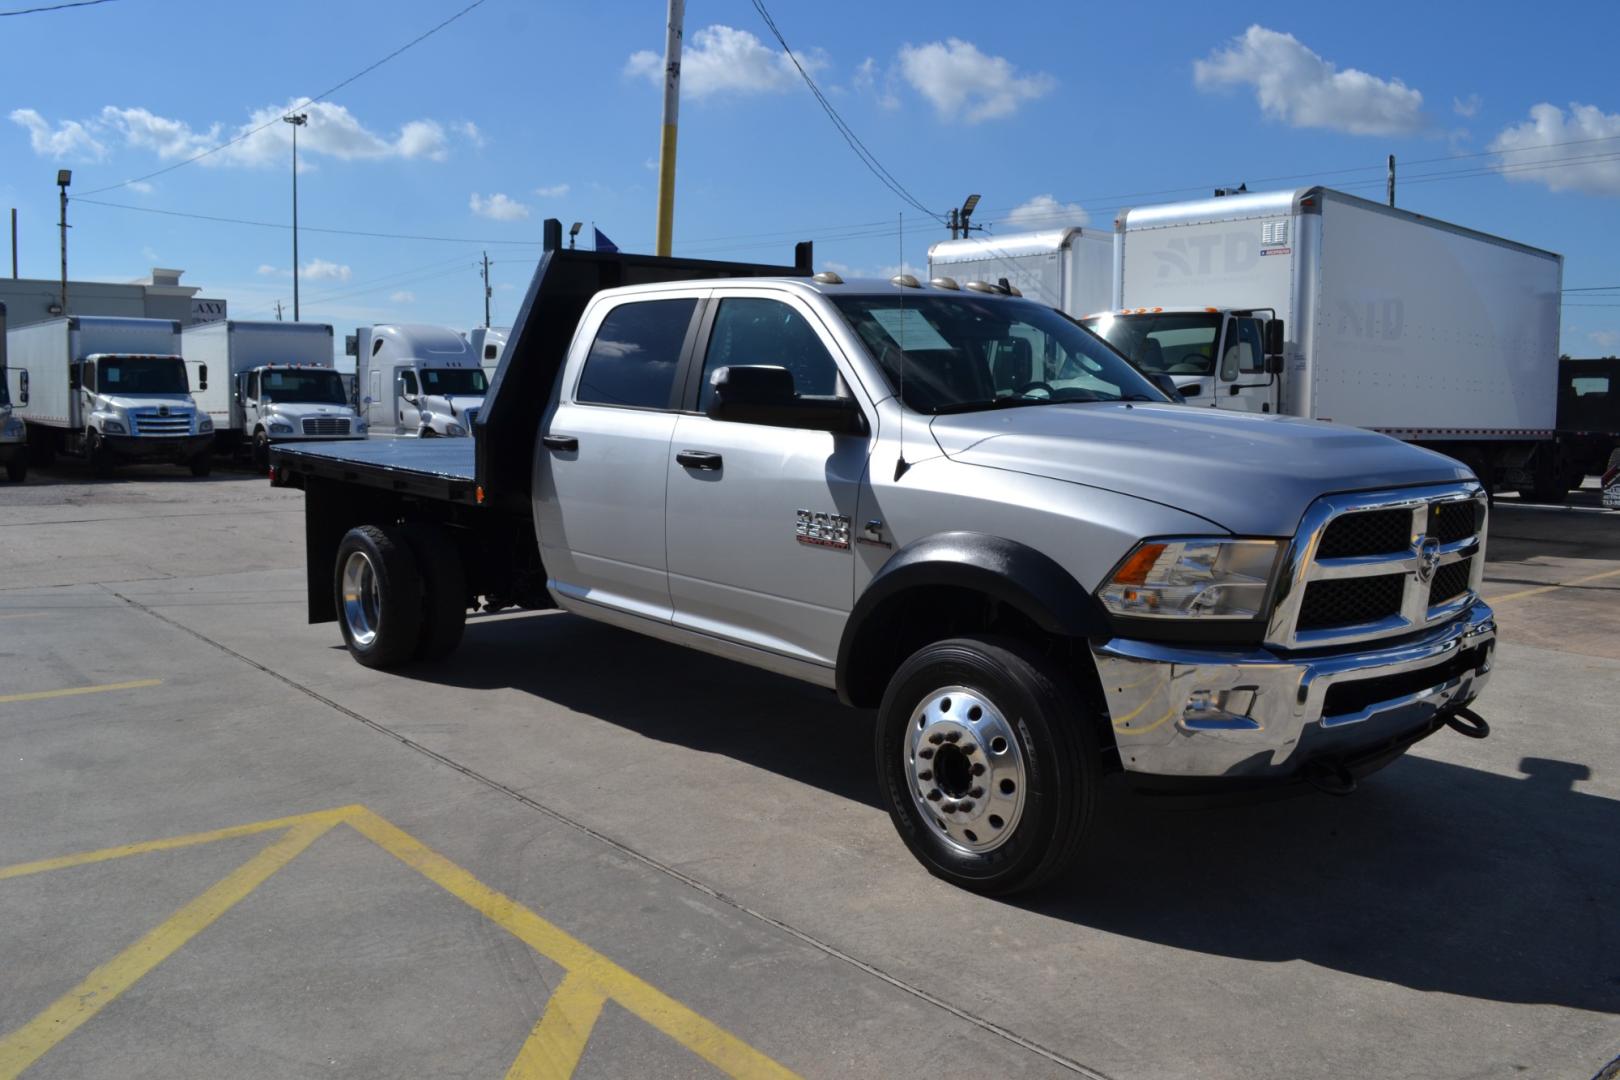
[822, 530]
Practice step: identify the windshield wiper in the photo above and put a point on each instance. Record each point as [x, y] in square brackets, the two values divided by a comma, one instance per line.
[986, 406]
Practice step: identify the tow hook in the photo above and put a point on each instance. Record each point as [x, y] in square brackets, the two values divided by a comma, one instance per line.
[1469, 723]
[1329, 777]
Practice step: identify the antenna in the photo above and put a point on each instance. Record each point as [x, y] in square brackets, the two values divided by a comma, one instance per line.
[900, 464]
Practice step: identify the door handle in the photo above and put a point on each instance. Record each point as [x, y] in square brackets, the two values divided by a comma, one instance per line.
[559, 442]
[699, 459]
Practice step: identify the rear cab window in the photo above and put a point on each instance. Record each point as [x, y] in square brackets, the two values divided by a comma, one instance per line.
[636, 353]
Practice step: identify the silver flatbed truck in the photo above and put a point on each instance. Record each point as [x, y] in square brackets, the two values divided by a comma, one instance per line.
[944, 503]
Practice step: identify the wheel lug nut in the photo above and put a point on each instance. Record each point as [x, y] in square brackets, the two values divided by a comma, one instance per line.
[934, 795]
[952, 736]
[927, 752]
[965, 804]
[978, 769]
[977, 793]
[948, 807]
[926, 774]
[936, 738]
[968, 748]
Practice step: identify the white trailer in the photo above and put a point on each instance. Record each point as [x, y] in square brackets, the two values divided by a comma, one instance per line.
[13, 432]
[274, 382]
[1070, 269]
[1427, 331]
[418, 380]
[112, 390]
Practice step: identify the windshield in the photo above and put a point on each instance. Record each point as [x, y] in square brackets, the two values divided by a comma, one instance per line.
[1172, 344]
[141, 375]
[453, 381]
[963, 353]
[319, 387]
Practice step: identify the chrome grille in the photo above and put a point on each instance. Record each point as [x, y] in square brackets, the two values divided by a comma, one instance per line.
[326, 425]
[1379, 565]
[149, 422]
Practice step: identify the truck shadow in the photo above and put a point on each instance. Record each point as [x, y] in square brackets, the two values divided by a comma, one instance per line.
[1434, 876]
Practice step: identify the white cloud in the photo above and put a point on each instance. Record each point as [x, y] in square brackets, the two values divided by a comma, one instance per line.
[1300, 88]
[404, 296]
[1045, 212]
[1607, 339]
[473, 135]
[1467, 107]
[151, 255]
[140, 187]
[720, 60]
[962, 82]
[1552, 136]
[498, 207]
[69, 139]
[331, 131]
[553, 191]
[869, 80]
[323, 270]
[266, 270]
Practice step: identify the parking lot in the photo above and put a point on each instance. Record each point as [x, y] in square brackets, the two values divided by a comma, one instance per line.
[569, 850]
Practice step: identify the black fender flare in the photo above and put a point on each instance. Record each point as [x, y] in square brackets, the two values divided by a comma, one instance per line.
[1006, 571]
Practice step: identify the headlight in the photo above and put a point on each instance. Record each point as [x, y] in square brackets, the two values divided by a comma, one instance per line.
[204, 424]
[278, 428]
[360, 427]
[112, 427]
[15, 428]
[1193, 579]
[455, 431]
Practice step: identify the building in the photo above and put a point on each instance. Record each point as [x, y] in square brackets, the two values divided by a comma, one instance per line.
[160, 296]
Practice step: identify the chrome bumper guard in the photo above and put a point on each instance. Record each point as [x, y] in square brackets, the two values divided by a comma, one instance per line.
[1261, 713]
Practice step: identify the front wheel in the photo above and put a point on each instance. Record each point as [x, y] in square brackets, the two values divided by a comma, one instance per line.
[17, 469]
[261, 450]
[989, 764]
[101, 456]
[202, 464]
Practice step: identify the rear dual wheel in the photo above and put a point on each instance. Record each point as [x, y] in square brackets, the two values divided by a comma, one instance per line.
[400, 593]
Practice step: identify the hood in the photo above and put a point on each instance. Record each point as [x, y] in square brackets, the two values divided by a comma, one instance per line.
[1253, 475]
[142, 402]
[298, 410]
[455, 404]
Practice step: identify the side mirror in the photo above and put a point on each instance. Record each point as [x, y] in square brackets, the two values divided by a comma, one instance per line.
[73, 376]
[1191, 389]
[764, 394]
[22, 387]
[1274, 338]
[1166, 385]
[1274, 364]
[202, 376]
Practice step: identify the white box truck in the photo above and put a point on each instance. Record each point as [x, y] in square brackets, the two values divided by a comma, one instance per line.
[13, 432]
[418, 380]
[112, 390]
[273, 382]
[1314, 303]
[1070, 269]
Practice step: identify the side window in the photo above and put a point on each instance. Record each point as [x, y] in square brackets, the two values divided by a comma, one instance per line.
[632, 361]
[1243, 349]
[253, 386]
[407, 378]
[750, 330]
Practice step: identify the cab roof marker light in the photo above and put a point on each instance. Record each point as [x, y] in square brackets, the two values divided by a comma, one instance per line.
[906, 281]
[945, 283]
[982, 287]
[827, 277]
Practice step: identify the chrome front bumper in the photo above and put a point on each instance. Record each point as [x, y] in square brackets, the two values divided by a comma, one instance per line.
[1257, 713]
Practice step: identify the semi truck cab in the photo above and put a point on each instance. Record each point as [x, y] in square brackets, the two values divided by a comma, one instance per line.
[418, 380]
[1223, 358]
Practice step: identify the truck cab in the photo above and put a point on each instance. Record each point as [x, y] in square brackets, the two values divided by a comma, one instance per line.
[418, 380]
[288, 402]
[136, 407]
[1222, 358]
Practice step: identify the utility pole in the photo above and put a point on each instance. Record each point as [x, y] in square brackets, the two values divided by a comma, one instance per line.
[297, 120]
[1392, 179]
[278, 311]
[486, 289]
[666, 142]
[13, 243]
[64, 177]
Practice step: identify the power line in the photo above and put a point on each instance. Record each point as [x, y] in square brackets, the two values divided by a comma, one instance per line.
[867, 157]
[323, 95]
[53, 7]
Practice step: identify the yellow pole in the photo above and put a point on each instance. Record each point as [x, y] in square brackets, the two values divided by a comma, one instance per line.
[666, 143]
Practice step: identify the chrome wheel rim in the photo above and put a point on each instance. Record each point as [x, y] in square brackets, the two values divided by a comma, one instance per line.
[360, 606]
[965, 769]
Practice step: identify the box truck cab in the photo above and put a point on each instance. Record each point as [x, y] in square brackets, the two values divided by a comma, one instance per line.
[418, 380]
[1218, 357]
[113, 390]
[274, 381]
[13, 432]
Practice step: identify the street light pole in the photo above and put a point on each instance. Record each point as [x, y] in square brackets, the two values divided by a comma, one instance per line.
[64, 177]
[297, 120]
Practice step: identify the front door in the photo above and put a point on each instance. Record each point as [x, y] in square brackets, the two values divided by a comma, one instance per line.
[602, 463]
[407, 395]
[761, 519]
[1244, 385]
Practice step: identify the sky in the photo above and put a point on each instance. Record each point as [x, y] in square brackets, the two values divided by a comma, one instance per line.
[1057, 112]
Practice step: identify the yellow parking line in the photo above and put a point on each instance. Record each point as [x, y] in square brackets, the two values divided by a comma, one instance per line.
[41, 695]
[707, 1040]
[102, 986]
[554, 1047]
[1522, 593]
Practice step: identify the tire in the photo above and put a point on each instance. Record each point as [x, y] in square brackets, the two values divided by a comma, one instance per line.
[101, 458]
[1546, 480]
[383, 622]
[17, 469]
[1033, 740]
[261, 450]
[444, 590]
[202, 464]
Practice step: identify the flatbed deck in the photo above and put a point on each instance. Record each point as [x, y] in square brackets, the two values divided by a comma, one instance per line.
[429, 468]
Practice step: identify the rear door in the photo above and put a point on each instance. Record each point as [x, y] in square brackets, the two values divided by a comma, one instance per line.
[602, 465]
[761, 518]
